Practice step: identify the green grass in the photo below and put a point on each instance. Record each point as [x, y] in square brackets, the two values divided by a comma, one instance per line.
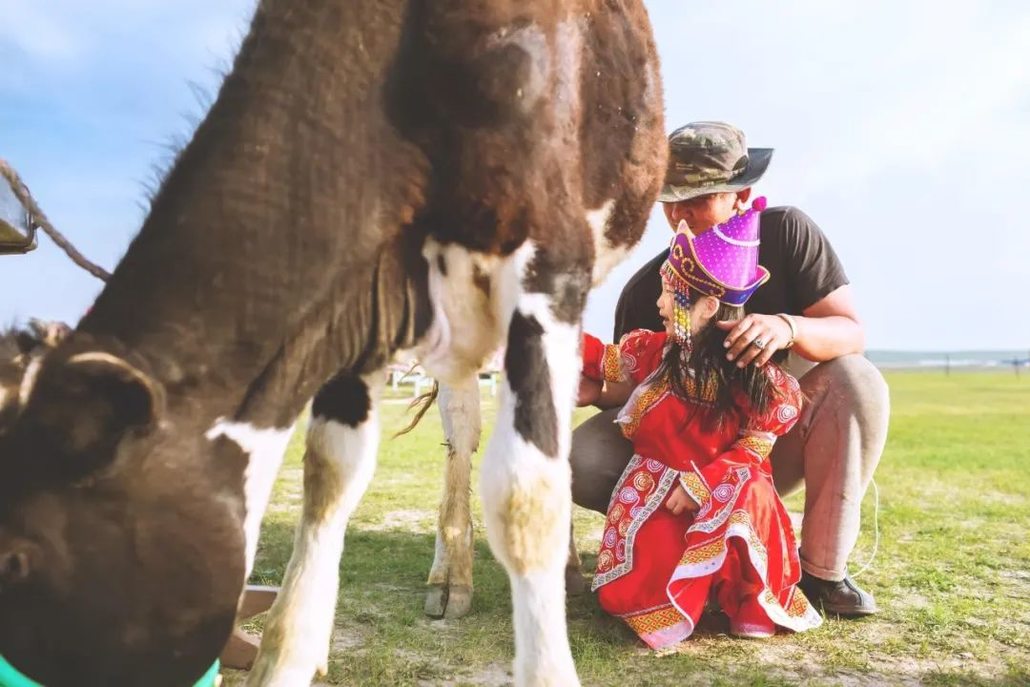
[952, 575]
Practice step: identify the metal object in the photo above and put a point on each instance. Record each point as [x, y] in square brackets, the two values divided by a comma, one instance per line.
[17, 228]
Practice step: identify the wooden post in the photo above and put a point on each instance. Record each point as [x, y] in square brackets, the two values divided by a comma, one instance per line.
[242, 648]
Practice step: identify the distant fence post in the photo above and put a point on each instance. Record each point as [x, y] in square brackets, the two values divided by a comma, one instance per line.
[947, 364]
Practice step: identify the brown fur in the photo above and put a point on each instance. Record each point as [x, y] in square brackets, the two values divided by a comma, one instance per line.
[284, 247]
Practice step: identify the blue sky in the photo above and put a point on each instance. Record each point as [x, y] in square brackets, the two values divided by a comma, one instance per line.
[902, 128]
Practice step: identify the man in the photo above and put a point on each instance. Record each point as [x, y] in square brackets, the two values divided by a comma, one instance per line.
[803, 316]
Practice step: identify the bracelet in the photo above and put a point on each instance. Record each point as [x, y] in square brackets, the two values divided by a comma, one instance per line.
[793, 328]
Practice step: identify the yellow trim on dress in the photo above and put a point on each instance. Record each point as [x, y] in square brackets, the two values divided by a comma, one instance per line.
[654, 621]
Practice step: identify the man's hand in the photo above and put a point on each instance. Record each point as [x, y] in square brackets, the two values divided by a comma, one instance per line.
[754, 338]
[589, 391]
[680, 502]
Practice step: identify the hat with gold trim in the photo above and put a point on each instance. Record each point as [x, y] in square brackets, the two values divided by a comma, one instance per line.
[721, 262]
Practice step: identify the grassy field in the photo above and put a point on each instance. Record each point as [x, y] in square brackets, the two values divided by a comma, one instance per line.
[952, 575]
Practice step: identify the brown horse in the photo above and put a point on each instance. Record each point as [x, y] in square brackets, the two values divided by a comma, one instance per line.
[430, 176]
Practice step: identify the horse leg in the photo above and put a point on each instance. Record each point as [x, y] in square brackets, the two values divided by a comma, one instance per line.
[338, 465]
[450, 580]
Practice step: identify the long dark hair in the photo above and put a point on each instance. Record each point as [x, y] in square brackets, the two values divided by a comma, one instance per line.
[712, 378]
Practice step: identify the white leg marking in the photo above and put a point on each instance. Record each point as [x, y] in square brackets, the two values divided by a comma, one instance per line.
[338, 465]
[527, 504]
[450, 579]
[264, 449]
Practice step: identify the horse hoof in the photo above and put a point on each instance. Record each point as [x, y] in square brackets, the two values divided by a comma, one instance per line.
[459, 603]
[436, 600]
[443, 601]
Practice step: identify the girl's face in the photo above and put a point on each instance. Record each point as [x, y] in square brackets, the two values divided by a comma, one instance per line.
[701, 310]
[665, 308]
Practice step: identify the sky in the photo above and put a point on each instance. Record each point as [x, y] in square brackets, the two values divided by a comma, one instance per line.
[901, 127]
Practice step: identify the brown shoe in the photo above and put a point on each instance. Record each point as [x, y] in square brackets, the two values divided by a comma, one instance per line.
[843, 598]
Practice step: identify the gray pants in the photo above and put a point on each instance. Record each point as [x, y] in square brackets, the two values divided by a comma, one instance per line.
[832, 451]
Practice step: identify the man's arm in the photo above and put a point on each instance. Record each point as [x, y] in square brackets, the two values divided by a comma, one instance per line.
[828, 329]
[827, 324]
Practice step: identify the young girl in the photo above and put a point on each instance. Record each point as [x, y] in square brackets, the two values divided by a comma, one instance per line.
[695, 511]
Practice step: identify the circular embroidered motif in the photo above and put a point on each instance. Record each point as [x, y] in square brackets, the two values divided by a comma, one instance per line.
[722, 493]
[620, 551]
[624, 527]
[618, 510]
[786, 413]
[643, 481]
[654, 465]
[604, 561]
[610, 537]
[635, 511]
[628, 495]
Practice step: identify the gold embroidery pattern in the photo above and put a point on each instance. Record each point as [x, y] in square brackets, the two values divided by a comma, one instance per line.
[695, 487]
[758, 445]
[705, 552]
[654, 621]
[611, 364]
[701, 392]
[741, 517]
[649, 398]
[799, 606]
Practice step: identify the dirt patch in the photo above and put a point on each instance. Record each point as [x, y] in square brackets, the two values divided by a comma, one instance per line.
[493, 675]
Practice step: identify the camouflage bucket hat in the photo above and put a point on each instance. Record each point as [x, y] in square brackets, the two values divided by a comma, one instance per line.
[710, 157]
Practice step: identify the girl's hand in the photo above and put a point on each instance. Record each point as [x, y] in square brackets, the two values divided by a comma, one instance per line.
[680, 502]
[589, 391]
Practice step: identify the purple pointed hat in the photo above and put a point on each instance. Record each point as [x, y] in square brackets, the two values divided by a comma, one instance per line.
[723, 261]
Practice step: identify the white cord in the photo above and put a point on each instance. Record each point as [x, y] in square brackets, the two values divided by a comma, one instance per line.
[876, 530]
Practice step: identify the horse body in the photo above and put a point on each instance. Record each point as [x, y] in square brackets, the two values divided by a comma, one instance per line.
[429, 177]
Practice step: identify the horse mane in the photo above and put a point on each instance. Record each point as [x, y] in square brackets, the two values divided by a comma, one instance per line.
[17, 340]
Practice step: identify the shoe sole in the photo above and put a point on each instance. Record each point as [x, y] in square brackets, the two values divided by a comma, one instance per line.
[849, 612]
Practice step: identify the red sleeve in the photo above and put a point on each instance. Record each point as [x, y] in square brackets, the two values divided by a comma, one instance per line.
[593, 357]
[637, 355]
[759, 430]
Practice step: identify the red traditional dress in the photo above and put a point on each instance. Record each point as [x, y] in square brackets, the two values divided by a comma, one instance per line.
[655, 570]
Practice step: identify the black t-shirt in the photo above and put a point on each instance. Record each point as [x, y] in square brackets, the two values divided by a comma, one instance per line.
[804, 270]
